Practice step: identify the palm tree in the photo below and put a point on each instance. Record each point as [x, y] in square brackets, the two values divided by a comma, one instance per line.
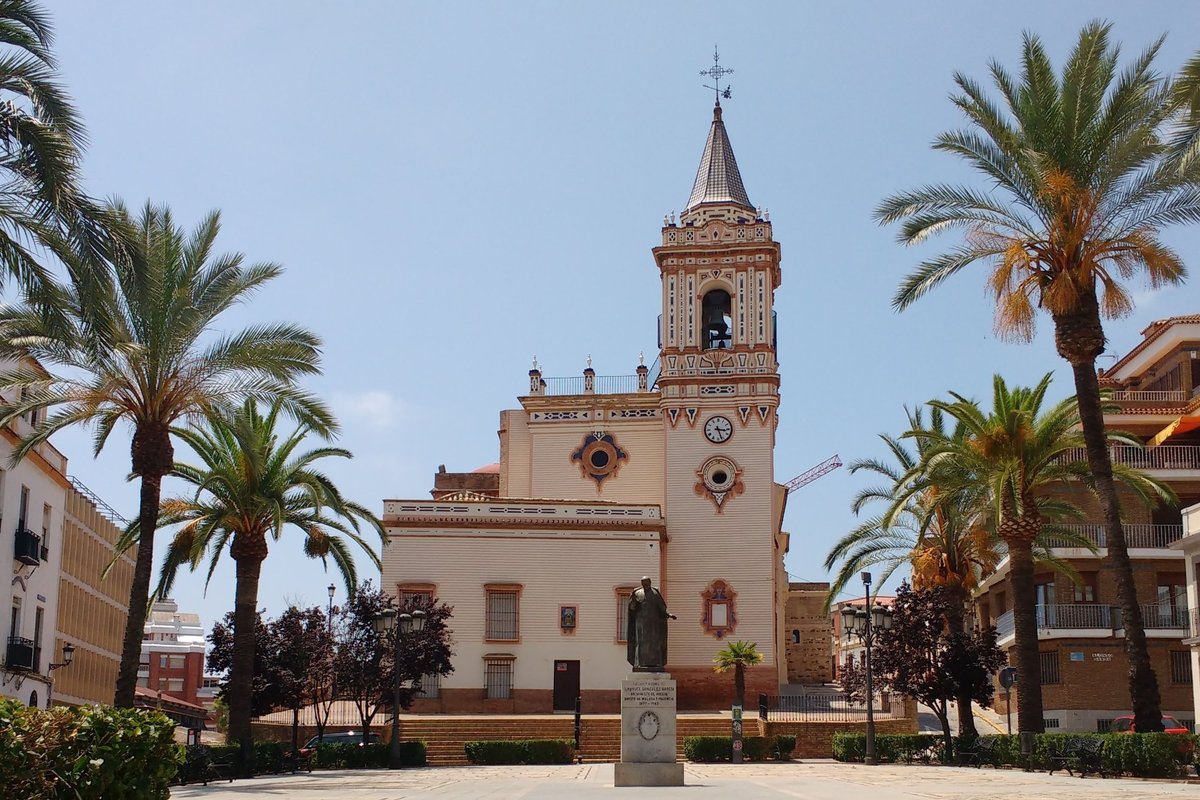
[1016, 454]
[737, 656]
[945, 543]
[1087, 170]
[41, 136]
[143, 350]
[254, 485]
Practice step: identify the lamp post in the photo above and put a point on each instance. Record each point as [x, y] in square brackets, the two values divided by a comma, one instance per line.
[329, 614]
[68, 656]
[385, 622]
[861, 623]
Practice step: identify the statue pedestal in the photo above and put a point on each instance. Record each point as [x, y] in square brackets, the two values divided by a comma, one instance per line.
[648, 747]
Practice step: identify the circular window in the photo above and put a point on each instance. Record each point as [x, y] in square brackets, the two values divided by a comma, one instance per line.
[719, 474]
[599, 459]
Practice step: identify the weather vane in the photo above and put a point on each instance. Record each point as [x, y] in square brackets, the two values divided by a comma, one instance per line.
[716, 72]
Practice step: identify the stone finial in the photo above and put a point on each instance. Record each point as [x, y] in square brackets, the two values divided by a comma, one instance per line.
[641, 358]
[767, 215]
[589, 360]
[535, 366]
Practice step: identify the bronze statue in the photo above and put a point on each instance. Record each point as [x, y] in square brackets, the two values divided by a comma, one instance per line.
[646, 629]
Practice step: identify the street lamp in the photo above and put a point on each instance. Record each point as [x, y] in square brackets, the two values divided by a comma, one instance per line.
[68, 657]
[385, 622]
[861, 623]
[329, 616]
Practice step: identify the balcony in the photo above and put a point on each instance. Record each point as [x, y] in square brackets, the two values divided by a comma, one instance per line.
[599, 384]
[20, 656]
[1137, 535]
[1094, 617]
[1135, 396]
[28, 547]
[1165, 456]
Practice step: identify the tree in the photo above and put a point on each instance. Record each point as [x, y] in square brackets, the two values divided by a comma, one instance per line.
[365, 659]
[254, 486]
[301, 655]
[921, 657]
[1086, 169]
[267, 696]
[737, 656]
[144, 351]
[41, 137]
[1016, 454]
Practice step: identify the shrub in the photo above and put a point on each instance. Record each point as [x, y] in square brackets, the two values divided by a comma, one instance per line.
[785, 745]
[713, 749]
[87, 753]
[520, 751]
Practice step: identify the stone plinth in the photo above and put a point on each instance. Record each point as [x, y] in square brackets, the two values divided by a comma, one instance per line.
[648, 732]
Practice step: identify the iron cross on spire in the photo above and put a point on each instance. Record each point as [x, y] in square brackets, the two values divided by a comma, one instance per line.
[716, 72]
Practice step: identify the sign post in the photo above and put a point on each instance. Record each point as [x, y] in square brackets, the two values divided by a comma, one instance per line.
[737, 734]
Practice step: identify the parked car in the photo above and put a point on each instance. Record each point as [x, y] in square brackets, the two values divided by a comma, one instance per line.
[349, 737]
[1125, 725]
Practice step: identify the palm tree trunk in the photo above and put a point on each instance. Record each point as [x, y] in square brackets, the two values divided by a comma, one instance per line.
[1029, 691]
[241, 672]
[955, 621]
[139, 591]
[1143, 682]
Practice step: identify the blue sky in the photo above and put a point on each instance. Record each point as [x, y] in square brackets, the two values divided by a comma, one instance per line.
[454, 187]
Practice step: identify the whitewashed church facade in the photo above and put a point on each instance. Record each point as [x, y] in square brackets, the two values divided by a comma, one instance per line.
[668, 473]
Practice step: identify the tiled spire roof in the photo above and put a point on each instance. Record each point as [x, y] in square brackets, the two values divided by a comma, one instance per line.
[718, 179]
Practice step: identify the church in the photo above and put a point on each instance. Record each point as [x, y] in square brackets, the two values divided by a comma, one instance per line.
[667, 473]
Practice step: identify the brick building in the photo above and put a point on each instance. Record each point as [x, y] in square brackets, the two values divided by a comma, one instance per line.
[1155, 389]
[808, 646]
[172, 653]
[667, 472]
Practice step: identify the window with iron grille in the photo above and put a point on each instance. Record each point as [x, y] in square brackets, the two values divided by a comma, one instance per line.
[498, 678]
[407, 598]
[1049, 667]
[1103, 725]
[430, 685]
[623, 614]
[1050, 723]
[1181, 666]
[502, 615]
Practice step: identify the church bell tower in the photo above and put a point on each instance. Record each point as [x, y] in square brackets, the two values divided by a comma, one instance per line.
[719, 390]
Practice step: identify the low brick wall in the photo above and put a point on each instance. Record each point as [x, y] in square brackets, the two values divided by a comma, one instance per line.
[814, 739]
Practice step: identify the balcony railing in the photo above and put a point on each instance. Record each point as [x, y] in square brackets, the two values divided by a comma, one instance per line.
[1143, 535]
[1092, 616]
[20, 654]
[28, 547]
[1165, 456]
[1135, 396]
[603, 384]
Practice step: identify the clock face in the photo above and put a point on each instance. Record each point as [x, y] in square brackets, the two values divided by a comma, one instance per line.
[718, 429]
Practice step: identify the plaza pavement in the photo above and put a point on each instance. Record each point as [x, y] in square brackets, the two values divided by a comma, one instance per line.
[808, 781]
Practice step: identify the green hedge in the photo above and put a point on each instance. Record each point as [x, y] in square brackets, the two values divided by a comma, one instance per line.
[520, 751]
[344, 755]
[1144, 755]
[712, 749]
[85, 753]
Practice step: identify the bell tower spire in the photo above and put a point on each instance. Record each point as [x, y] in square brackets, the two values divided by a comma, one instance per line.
[718, 189]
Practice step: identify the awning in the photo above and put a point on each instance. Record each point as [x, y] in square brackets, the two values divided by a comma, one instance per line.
[1180, 425]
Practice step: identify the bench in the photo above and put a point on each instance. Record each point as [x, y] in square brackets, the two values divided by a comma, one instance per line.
[977, 753]
[295, 761]
[199, 766]
[1085, 755]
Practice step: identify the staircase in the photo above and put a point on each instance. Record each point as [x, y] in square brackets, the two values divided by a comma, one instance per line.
[600, 741]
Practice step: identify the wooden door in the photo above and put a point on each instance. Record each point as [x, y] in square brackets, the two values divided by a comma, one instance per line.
[566, 685]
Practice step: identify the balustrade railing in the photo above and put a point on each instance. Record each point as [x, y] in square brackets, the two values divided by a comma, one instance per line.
[1092, 616]
[1138, 396]
[1143, 535]
[604, 384]
[1165, 456]
[822, 706]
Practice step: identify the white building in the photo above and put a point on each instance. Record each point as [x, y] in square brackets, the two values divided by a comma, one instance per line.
[666, 473]
[172, 659]
[32, 495]
[1190, 545]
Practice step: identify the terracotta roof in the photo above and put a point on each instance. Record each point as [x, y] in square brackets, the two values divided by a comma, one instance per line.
[1149, 334]
[487, 468]
[152, 699]
[718, 179]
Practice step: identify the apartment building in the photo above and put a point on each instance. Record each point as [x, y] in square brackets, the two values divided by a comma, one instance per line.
[92, 606]
[1189, 545]
[172, 653]
[1155, 391]
[31, 512]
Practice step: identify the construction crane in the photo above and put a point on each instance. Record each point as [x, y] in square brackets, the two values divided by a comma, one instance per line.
[807, 477]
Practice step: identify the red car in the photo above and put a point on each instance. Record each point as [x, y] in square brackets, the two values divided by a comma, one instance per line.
[1125, 725]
